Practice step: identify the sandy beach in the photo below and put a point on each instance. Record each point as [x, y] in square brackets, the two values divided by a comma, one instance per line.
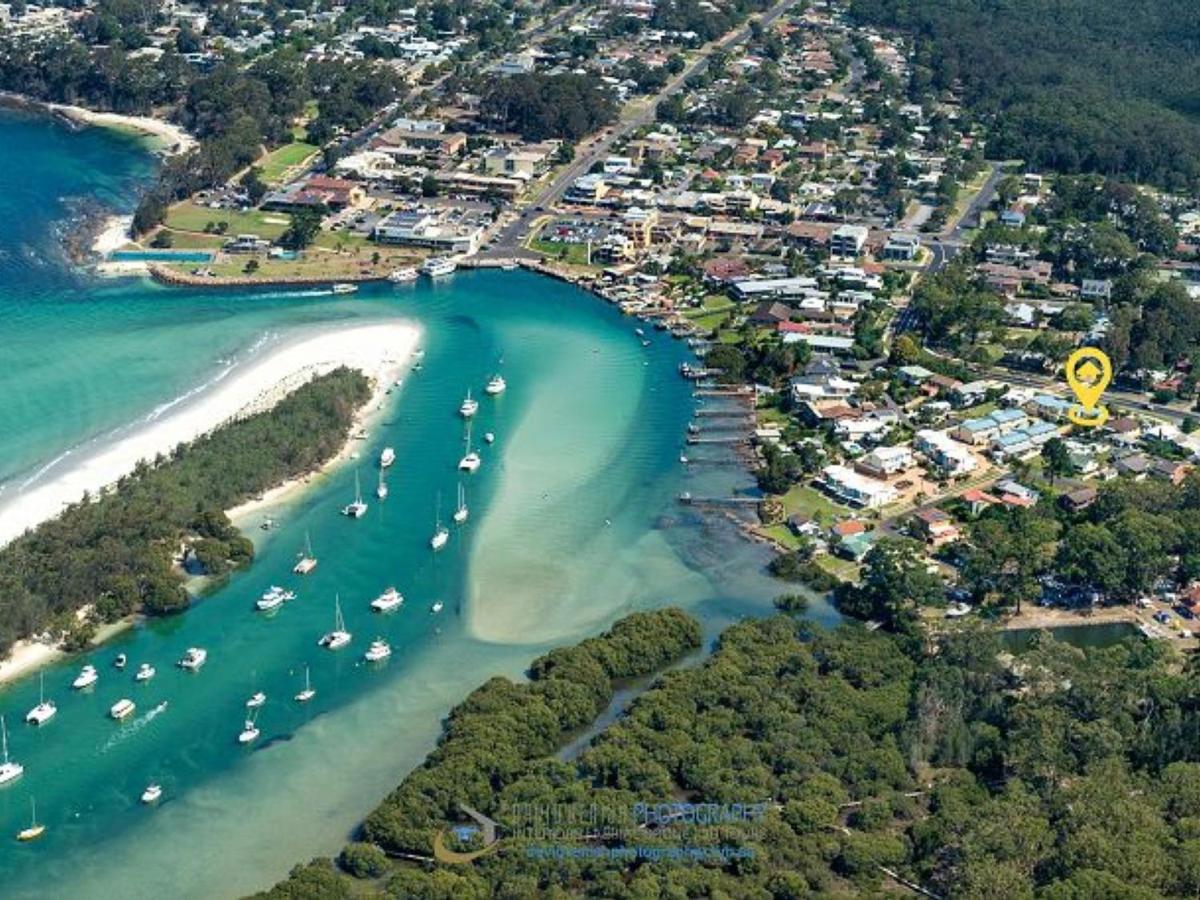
[380, 351]
[172, 138]
[114, 234]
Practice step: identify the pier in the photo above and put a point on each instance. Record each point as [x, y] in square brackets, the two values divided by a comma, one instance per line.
[730, 439]
[689, 500]
[747, 414]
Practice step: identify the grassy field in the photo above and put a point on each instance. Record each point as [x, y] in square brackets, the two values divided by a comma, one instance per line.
[315, 263]
[277, 164]
[812, 503]
[575, 254]
[188, 216]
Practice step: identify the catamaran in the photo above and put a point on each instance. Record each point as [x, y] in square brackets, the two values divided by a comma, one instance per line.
[256, 701]
[9, 770]
[469, 406]
[307, 561]
[339, 637]
[86, 678]
[193, 659]
[387, 457]
[357, 509]
[122, 708]
[151, 793]
[382, 490]
[390, 599]
[441, 533]
[45, 709]
[145, 672]
[496, 385]
[378, 651]
[470, 461]
[308, 693]
[34, 831]
[461, 512]
[249, 733]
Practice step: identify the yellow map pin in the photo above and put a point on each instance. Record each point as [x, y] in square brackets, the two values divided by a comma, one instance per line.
[1089, 372]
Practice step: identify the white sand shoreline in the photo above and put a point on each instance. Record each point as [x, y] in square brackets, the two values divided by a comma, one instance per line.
[172, 139]
[380, 351]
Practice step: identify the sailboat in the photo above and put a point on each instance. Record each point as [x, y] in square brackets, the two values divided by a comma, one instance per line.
[469, 406]
[307, 561]
[496, 385]
[45, 710]
[441, 533]
[34, 831]
[250, 732]
[461, 512]
[9, 770]
[471, 461]
[339, 637]
[308, 693]
[382, 490]
[357, 509]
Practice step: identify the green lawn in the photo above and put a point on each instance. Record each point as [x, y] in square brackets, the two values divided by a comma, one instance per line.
[575, 254]
[812, 503]
[188, 216]
[277, 164]
[842, 568]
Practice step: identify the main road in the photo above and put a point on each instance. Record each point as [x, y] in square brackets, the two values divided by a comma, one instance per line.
[633, 116]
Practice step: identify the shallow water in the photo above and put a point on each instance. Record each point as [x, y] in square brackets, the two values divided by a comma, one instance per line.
[573, 523]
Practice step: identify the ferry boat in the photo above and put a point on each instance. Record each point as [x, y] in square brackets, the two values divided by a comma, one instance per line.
[469, 406]
[403, 275]
[339, 637]
[9, 770]
[151, 793]
[193, 659]
[357, 509]
[45, 709]
[308, 693]
[496, 385]
[343, 287]
[388, 600]
[122, 708]
[249, 733]
[145, 672]
[120, 661]
[438, 266]
[387, 457]
[307, 561]
[34, 831]
[256, 701]
[86, 678]
[378, 651]
[461, 512]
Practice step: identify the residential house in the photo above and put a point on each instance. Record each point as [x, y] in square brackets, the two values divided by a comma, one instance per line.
[856, 489]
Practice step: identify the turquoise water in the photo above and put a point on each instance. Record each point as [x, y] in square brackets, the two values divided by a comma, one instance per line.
[573, 523]
[160, 256]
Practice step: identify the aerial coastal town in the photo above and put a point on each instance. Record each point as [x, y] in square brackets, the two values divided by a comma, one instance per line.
[777, 188]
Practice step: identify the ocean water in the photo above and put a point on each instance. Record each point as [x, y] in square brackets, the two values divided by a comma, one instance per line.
[574, 522]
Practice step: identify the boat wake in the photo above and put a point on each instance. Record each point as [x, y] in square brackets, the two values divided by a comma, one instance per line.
[129, 729]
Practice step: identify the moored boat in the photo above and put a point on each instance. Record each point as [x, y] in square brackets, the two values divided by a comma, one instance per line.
[122, 708]
[496, 385]
[402, 275]
[378, 651]
[145, 672]
[193, 659]
[45, 710]
[151, 793]
[10, 770]
[34, 831]
[308, 693]
[468, 407]
[438, 267]
[343, 287]
[339, 637]
[307, 561]
[390, 599]
[86, 678]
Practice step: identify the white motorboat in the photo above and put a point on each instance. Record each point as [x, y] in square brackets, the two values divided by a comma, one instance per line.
[120, 661]
[307, 561]
[438, 267]
[378, 651]
[45, 709]
[468, 407]
[357, 509]
[387, 457]
[489, 437]
[122, 708]
[256, 701]
[9, 770]
[308, 693]
[437, 606]
[151, 793]
[86, 678]
[145, 672]
[343, 287]
[496, 385]
[249, 733]
[339, 637]
[461, 512]
[403, 275]
[193, 659]
[388, 600]
[269, 601]
[381, 490]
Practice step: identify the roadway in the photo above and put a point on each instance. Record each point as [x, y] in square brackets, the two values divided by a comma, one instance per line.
[634, 115]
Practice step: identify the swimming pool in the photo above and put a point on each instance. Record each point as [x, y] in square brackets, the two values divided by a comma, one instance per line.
[161, 256]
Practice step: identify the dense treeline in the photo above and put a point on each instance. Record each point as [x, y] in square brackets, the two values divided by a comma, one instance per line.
[117, 551]
[539, 106]
[1070, 774]
[1080, 85]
